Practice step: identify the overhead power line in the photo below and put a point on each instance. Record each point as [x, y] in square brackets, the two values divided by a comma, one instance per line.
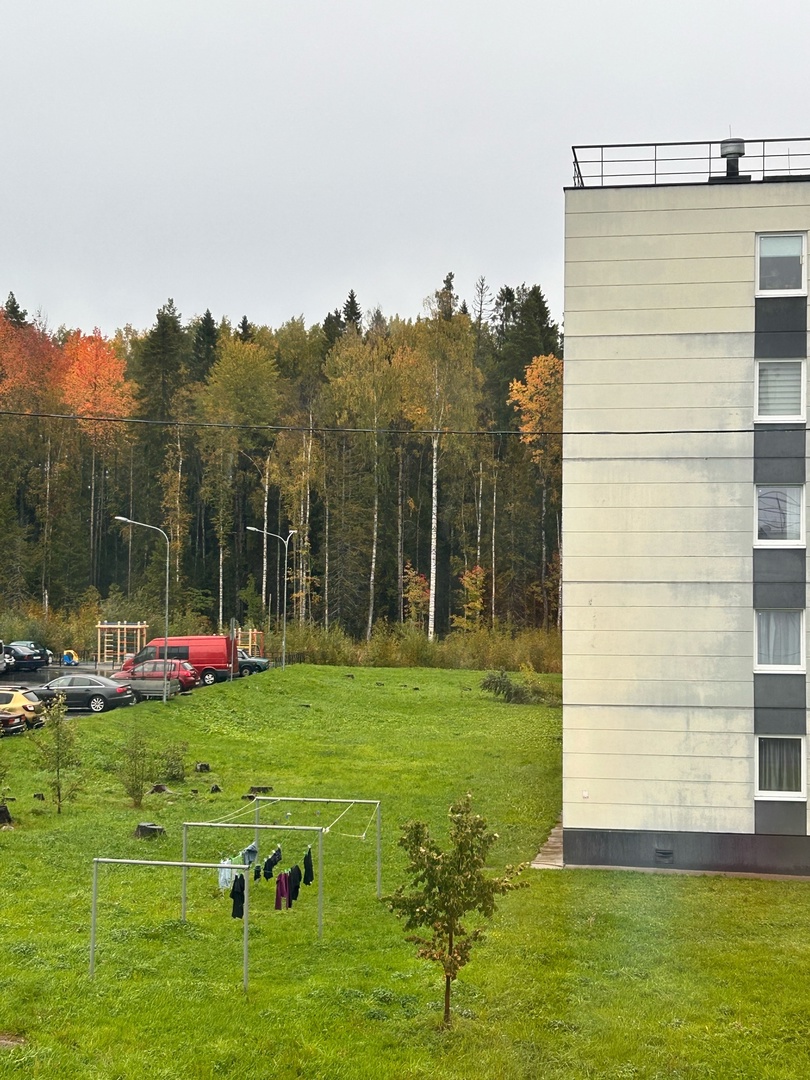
[321, 429]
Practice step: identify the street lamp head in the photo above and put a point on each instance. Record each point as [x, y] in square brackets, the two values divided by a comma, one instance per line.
[252, 528]
[119, 518]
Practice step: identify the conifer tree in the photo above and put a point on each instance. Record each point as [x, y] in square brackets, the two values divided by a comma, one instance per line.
[14, 313]
[333, 327]
[203, 348]
[351, 311]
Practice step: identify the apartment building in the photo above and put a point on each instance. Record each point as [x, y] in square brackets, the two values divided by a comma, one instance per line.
[684, 507]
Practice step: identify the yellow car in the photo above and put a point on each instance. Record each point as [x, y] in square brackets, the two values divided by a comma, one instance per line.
[23, 702]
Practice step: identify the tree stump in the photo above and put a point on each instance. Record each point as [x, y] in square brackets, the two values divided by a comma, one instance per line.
[202, 766]
[5, 815]
[147, 830]
[39, 795]
[215, 787]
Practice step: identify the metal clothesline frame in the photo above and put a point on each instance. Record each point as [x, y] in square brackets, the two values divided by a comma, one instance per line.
[236, 866]
[184, 864]
[258, 799]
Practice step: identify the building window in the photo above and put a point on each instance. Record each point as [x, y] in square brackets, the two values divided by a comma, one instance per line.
[780, 765]
[780, 390]
[781, 264]
[779, 640]
[780, 515]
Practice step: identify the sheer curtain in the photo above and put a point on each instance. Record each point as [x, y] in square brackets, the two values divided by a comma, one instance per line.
[779, 638]
[780, 765]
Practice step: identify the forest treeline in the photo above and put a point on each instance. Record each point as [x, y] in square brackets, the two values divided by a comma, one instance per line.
[416, 463]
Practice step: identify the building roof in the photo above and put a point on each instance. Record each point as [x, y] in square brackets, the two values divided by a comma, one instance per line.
[657, 164]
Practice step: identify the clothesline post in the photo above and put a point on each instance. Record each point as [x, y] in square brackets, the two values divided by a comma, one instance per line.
[185, 876]
[320, 884]
[246, 876]
[93, 920]
[379, 852]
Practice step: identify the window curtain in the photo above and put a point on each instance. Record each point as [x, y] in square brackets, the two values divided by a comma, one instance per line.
[779, 638]
[779, 513]
[780, 765]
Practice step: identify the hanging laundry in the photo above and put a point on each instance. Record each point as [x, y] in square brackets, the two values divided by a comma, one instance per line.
[248, 854]
[238, 896]
[295, 883]
[282, 890]
[225, 873]
[257, 872]
[270, 862]
[309, 873]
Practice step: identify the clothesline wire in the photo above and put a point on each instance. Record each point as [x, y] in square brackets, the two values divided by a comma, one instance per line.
[337, 819]
[242, 810]
[362, 835]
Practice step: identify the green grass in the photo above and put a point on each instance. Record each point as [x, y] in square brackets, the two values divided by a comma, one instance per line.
[584, 974]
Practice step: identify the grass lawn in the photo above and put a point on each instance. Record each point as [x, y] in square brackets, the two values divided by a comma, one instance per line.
[583, 974]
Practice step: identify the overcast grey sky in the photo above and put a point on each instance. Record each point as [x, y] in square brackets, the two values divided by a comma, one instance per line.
[263, 157]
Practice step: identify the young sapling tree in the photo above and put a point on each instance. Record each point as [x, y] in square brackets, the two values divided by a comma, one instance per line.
[57, 746]
[446, 886]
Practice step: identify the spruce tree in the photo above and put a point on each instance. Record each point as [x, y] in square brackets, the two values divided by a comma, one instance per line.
[203, 348]
[245, 330]
[351, 310]
[14, 313]
[333, 327]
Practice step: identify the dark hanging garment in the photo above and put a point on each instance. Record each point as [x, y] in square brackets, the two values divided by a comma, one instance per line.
[270, 862]
[295, 883]
[257, 872]
[309, 873]
[282, 890]
[238, 896]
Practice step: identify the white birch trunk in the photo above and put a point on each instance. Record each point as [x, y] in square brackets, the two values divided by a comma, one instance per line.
[434, 530]
[374, 533]
[494, 514]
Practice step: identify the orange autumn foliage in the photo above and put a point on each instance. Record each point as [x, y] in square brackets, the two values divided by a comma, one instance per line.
[539, 401]
[95, 384]
[31, 366]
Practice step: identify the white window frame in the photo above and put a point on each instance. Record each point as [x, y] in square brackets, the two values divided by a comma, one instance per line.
[776, 418]
[781, 796]
[801, 541]
[793, 669]
[783, 292]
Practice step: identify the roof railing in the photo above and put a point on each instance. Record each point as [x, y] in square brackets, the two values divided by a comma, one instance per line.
[643, 164]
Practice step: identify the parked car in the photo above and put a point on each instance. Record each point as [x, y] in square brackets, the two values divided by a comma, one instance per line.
[147, 679]
[251, 665]
[25, 659]
[213, 655]
[94, 692]
[37, 648]
[22, 702]
[11, 724]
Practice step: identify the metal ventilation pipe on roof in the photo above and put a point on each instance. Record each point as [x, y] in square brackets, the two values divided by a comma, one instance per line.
[732, 150]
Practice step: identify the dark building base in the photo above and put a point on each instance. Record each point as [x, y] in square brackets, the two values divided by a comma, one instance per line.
[729, 852]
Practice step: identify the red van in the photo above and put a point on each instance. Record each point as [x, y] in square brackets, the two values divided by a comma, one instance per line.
[213, 655]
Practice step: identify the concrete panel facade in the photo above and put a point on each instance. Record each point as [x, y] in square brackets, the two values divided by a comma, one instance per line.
[659, 522]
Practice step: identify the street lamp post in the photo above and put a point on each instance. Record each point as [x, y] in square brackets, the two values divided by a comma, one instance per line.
[129, 521]
[286, 543]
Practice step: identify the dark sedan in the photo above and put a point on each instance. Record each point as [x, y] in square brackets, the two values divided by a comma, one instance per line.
[26, 659]
[93, 692]
[251, 665]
